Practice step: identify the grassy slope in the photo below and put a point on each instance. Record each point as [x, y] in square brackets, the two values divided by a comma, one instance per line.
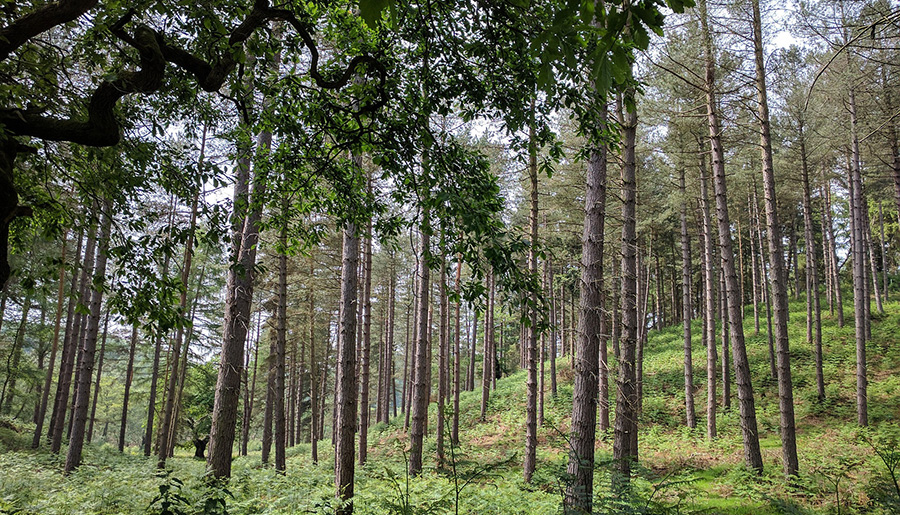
[681, 468]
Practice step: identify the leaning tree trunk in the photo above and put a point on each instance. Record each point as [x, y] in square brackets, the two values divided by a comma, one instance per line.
[86, 364]
[750, 434]
[346, 387]
[776, 257]
[579, 492]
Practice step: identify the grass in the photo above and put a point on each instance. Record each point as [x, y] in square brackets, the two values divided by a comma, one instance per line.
[681, 471]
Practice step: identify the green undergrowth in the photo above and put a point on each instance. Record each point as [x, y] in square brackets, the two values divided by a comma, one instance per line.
[844, 469]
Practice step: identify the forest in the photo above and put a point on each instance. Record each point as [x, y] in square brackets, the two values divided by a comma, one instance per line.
[458, 256]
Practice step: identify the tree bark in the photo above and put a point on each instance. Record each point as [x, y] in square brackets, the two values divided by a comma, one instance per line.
[626, 395]
[366, 343]
[346, 387]
[588, 365]
[419, 404]
[90, 431]
[45, 391]
[86, 364]
[531, 350]
[776, 257]
[129, 376]
[709, 297]
[750, 434]
[686, 311]
[813, 310]
[454, 430]
[71, 344]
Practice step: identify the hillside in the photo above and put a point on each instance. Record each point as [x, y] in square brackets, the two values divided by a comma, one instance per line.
[681, 472]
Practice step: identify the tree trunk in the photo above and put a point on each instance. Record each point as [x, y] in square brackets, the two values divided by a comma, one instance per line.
[454, 431]
[419, 404]
[709, 297]
[129, 376]
[366, 343]
[313, 371]
[832, 252]
[86, 364]
[531, 350]
[859, 268]
[90, 431]
[626, 394]
[171, 388]
[281, 346]
[48, 378]
[813, 310]
[776, 257]
[269, 411]
[443, 361]
[71, 344]
[487, 367]
[686, 311]
[250, 390]
[588, 365]
[346, 387]
[752, 454]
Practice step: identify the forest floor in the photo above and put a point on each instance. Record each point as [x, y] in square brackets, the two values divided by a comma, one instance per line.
[681, 471]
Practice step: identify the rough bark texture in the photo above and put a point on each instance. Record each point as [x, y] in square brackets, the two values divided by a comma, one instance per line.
[686, 311]
[750, 434]
[776, 257]
[365, 365]
[280, 350]
[626, 394]
[86, 364]
[71, 345]
[129, 376]
[579, 492]
[238, 299]
[709, 300]
[531, 383]
[859, 268]
[346, 387]
[454, 430]
[813, 310]
[419, 404]
[54, 347]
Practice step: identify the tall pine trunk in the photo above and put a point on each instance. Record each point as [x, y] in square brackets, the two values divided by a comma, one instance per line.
[345, 380]
[626, 392]
[419, 404]
[776, 257]
[686, 311]
[749, 432]
[86, 363]
[579, 492]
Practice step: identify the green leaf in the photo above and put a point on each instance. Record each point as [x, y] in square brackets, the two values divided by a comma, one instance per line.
[371, 10]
